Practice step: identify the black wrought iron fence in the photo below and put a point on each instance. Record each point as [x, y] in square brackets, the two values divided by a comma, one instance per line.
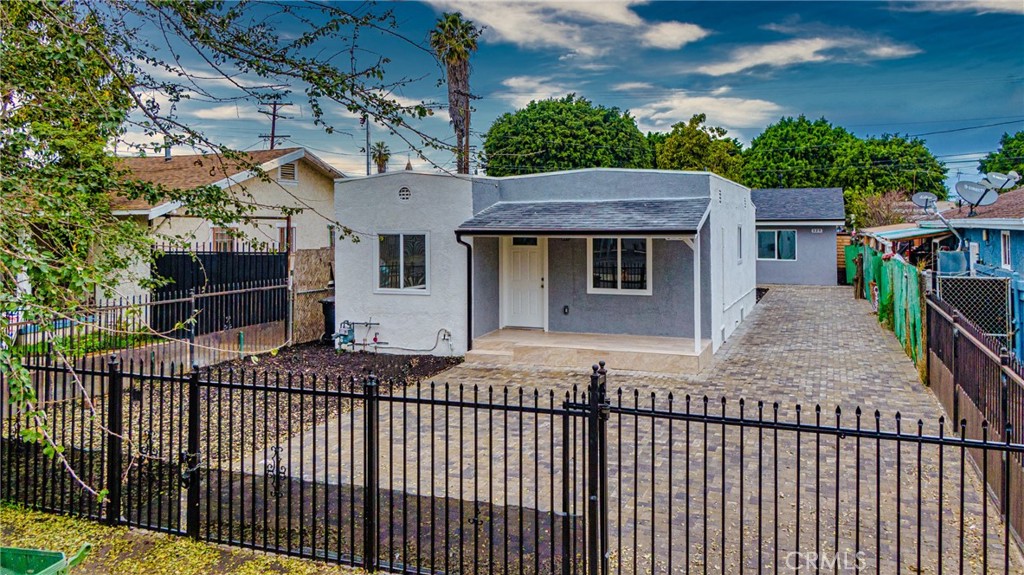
[203, 326]
[477, 480]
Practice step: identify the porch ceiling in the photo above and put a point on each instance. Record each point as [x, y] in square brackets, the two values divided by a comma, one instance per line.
[676, 216]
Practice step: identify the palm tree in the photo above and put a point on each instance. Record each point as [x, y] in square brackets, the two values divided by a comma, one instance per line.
[453, 39]
[380, 153]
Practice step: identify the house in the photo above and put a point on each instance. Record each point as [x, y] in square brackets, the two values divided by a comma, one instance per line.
[994, 240]
[298, 179]
[796, 234]
[646, 269]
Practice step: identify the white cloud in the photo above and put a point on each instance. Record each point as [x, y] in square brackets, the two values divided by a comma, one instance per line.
[976, 6]
[672, 35]
[585, 29]
[731, 113]
[632, 86]
[807, 50]
[228, 112]
[779, 54]
[521, 90]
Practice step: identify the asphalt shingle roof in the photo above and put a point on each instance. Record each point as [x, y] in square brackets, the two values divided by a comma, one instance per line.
[589, 217]
[798, 203]
[1008, 205]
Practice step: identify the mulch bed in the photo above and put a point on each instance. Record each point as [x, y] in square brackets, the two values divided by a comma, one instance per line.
[326, 364]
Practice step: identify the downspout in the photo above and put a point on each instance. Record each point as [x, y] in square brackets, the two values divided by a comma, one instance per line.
[469, 290]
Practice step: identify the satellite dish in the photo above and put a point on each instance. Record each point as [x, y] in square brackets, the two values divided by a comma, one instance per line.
[975, 193]
[924, 199]
[988, 184]
[998, 180]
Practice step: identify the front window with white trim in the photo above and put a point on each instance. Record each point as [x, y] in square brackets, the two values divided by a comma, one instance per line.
[619, 266]
[776, 245]
[402, 262]
[1005, 248]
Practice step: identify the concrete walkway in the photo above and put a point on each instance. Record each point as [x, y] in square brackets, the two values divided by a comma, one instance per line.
[680, 493]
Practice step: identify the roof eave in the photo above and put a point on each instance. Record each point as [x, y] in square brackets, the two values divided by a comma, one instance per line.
[575, 232]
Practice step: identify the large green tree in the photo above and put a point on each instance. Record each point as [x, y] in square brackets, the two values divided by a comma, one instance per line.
[797, 152]
[564, 134]
[454, 39]
[692, 145]
[1008, 158]
[79, 79]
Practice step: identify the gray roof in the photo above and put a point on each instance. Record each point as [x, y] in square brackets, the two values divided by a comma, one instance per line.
[798, 203]
[667, 216]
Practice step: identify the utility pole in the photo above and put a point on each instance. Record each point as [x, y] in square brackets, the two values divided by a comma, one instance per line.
[365, 122]
[273, 113]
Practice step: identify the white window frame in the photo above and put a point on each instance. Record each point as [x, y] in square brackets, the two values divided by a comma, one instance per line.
[294, 233]
[796, 245]
[401, 263]
[1006, 250]
[618, 291]
[285, 182]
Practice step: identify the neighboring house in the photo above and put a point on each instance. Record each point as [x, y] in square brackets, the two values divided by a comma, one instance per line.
[297, 179]
[647, 269]
[994, 235]
[796, 234]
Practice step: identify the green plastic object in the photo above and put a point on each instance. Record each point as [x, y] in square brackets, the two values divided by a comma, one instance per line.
[15, 561]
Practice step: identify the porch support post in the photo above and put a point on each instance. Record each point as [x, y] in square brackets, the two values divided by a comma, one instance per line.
[694, 244]
[696, 293]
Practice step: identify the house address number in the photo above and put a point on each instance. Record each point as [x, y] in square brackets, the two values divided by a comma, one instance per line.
[816, 230]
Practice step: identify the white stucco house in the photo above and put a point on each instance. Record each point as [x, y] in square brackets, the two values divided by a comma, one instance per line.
[646, 269]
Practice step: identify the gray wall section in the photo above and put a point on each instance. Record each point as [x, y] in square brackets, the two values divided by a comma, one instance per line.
[668, 312]
[485, 285]
[815, 262]
[599, 184]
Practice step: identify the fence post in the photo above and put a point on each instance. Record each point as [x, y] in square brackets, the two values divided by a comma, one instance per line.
[952, 366]
[597, 473]
[115, 385]
[193, 322]
[371, 529]
[191, 459]
[567, 557]
[1006, 427]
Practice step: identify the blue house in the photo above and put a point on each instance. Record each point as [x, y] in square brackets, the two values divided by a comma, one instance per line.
[995, 234]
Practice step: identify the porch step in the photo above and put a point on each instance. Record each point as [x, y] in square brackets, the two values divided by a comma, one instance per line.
[496, 356]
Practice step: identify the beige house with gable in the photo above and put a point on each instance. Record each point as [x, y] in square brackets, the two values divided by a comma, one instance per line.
[298, 179]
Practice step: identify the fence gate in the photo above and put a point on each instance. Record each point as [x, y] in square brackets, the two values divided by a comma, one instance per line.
[984, 301]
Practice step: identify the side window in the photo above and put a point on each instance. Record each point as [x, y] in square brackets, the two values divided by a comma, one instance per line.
[739, 243]
[402, 262]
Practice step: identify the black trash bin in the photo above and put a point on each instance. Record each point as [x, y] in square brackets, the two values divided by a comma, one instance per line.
[328, 304]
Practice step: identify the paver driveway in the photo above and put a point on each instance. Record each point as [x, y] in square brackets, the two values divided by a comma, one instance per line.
[682, 495]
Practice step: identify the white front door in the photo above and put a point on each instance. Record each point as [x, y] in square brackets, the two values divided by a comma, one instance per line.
[525, 283]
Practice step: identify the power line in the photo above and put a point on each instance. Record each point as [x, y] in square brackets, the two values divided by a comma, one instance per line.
[274, 106]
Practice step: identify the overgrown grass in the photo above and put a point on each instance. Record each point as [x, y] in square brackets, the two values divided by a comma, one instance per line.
[123, 551]
[80, 345]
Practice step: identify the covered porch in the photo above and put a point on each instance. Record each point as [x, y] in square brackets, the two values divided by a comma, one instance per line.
[513, 346]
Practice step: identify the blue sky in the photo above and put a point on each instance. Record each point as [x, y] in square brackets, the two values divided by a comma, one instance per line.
[952, 71]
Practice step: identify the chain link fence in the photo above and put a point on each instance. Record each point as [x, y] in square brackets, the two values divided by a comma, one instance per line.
[984, 301]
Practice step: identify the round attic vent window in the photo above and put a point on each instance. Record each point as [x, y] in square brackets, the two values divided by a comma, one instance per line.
[404, 193]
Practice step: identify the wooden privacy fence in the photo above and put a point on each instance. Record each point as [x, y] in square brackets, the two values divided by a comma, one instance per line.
[979, 383]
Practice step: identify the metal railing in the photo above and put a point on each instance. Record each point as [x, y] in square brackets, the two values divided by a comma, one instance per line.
[203, 326]
[455, 479]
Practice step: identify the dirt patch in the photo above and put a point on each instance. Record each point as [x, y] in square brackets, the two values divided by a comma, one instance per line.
[760, 293]
[322, 361]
